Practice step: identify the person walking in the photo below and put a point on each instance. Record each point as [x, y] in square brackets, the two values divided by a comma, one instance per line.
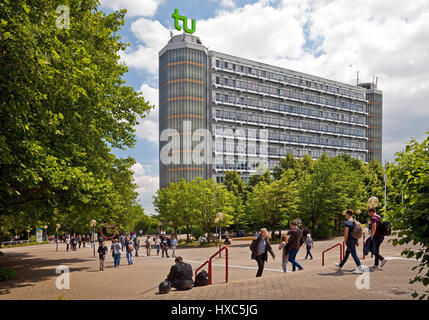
[102, 251]
[67, 243]
[129, 247]
[148, 245]
[88, 238]
[309, 245]
[79, 240]
[294, 244]
[174, 244]
[350, 242]
[164, 246]
[136, 244]
[116, 252]
[122, 242]
[260, 248]
[157, 244]
[74, 243]
[285, 254]
[376, 237]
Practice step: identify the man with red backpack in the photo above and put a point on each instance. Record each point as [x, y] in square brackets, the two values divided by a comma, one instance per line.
[352, 233]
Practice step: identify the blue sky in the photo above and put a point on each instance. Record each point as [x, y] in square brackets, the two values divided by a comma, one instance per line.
[328, 38]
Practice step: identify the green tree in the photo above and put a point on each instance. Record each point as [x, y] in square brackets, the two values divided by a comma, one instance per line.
[63, 106]
[212, 198]
[410, 217]
[269, 204]
[332, 187]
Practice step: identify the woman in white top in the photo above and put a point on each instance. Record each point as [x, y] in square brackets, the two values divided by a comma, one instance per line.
[285, 254]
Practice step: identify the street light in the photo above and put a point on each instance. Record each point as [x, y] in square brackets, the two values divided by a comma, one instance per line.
[219, 217]
[358, 212]
[58, 226]
[28, 235]
[92, 224]
[45, 227]
[373, 202]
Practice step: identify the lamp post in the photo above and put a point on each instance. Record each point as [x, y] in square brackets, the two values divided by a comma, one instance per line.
[45, 227]
[92, 224]
[28, 235]
[58, 226]
[219, 217]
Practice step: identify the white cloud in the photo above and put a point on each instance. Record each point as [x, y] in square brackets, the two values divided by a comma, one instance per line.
[227, 4]
[147, 186]
[148, 127]
[145, 8]
[153, 36]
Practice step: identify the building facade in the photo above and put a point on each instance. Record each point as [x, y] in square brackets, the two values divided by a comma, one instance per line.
[375, 121]
[255, 113]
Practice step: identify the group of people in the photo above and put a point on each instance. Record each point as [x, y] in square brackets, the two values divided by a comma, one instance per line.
[73, 242]
[291, 243]
[131, 244]
[374, 241]
[162, 243]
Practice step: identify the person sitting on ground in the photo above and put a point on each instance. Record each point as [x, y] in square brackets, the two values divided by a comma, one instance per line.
[180, 275]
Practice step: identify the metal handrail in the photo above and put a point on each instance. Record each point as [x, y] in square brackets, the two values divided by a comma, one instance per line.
[341, 253]
[209, 262]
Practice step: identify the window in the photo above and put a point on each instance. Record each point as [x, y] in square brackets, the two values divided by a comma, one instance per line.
[217, 63]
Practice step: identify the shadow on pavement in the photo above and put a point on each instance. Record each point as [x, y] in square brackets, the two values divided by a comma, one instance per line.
[33, 270]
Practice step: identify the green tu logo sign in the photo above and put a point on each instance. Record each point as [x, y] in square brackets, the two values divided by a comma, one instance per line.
[177, 17]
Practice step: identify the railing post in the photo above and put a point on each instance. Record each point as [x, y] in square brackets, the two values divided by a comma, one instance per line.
[210, 271]
[226, 264]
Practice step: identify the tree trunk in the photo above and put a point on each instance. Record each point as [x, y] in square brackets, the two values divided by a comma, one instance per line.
[188, 231]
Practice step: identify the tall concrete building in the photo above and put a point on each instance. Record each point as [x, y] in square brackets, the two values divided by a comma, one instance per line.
[374, 131]
[255, 113]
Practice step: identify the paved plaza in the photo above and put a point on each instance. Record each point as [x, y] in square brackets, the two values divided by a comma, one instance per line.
[36, 266]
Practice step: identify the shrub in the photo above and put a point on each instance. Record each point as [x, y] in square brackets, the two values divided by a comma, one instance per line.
[197, 232]
[7, 274]
[322, 231]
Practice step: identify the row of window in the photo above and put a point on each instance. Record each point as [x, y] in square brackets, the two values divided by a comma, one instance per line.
[243, 146]
[252, 164]
[261, 119]
[291, 94]
[290, 108]
[269, 75]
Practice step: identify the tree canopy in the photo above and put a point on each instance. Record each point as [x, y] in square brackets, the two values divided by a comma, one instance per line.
[63, 106]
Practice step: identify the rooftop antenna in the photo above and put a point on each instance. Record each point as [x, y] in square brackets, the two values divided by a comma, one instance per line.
[376, 82]
[357, 77]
